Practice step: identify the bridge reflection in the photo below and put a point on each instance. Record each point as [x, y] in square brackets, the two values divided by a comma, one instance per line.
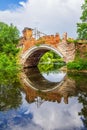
[35, 85]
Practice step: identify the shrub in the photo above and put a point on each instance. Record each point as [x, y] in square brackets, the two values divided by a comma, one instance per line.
[80, 64]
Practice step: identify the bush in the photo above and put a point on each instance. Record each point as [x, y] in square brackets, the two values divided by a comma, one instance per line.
[80, 64]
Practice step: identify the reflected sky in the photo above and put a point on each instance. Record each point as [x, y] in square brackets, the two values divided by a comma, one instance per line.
[54, 77]
[48, 116]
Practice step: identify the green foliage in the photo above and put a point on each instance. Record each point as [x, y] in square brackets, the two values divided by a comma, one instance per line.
[8, 33]
[7, 63]
[50, 61]
[71, 40]
[82, 31]
[8, 68]
[84, 12]
[10, 49]
[82, 27]
[9, 36]
[80, 64]
[50, 57]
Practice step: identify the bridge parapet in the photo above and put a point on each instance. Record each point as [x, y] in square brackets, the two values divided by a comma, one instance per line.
[29, 39]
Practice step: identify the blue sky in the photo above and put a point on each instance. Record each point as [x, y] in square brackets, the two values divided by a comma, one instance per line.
[49, 16]
[8, 4]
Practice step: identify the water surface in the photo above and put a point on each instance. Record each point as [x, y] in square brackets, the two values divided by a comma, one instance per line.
[62, 108]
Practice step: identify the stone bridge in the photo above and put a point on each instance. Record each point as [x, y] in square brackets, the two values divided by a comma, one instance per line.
[34, 44]
[32, 56]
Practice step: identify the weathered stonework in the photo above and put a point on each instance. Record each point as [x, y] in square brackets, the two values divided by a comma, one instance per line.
[28, 40]
[81, 49]
[66, 49]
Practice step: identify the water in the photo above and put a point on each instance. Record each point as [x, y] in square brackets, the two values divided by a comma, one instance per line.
[59, 106]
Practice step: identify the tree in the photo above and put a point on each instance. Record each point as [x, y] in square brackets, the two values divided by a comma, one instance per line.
[82, 26]
[9, 36]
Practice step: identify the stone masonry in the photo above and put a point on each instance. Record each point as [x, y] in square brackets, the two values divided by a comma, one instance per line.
[67, 49]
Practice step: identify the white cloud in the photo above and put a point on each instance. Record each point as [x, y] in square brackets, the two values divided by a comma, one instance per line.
[51, 116]
[50, 16]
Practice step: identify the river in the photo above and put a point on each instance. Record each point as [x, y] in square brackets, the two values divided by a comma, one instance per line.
[44, 101]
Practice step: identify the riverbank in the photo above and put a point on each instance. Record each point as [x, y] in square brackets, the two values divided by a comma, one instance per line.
[79, 71]
[64, 68]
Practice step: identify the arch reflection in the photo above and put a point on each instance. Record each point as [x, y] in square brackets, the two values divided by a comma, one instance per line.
[43, 81]
[35, 85]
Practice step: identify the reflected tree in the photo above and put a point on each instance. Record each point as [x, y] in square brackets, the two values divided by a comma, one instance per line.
[83, 99]
[10, 96]
[81, 85]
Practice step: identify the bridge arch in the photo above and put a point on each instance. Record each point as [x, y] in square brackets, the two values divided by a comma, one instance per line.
[31, 57]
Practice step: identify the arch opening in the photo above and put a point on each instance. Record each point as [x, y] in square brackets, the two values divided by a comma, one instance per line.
[33, 55]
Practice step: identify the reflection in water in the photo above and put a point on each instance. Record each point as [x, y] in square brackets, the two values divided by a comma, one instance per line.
[49, 116]
[28, 109]
[54, 77]
[10, 97]
[9, 89]
[55, 90]
[81, 84]
[42, 81]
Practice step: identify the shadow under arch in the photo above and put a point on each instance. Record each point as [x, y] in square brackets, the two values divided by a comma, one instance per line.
[31, 57]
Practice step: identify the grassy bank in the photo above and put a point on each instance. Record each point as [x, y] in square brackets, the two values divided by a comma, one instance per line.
[80, 62]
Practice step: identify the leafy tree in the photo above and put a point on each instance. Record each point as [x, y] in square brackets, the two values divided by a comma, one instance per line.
[82, 26]
[9, 36]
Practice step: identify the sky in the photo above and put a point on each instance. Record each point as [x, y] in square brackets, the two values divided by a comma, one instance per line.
[48, 16]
